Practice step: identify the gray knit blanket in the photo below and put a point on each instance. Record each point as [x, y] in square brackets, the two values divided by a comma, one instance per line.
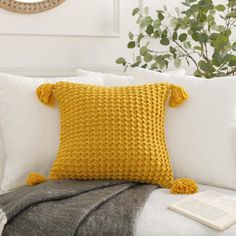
[72, 207]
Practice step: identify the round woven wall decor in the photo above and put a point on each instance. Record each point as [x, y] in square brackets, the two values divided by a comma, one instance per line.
[27, 7]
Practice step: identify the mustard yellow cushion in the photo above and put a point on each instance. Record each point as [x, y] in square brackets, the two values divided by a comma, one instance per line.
[112, 133]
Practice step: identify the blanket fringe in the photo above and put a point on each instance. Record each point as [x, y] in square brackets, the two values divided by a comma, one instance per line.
[3, 221]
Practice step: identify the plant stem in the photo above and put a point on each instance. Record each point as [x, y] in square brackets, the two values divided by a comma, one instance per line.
[233, 71]
[180, 46]
[187, 53]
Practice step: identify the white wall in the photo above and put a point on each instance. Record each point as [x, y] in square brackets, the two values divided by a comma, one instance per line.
[79, 33]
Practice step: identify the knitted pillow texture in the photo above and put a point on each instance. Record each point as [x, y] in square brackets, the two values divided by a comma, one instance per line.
[112, 133]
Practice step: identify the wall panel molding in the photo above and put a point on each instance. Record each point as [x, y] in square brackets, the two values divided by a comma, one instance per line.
[59, 71]
[30, 30]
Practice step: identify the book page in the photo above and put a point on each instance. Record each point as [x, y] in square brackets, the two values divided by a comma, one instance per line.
[210, 195]
[221, 200]
[204, 210]
[227, 202]
[211, 208]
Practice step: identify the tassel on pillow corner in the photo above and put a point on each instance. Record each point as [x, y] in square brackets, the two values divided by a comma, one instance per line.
[35, 178]
[184, 186]
[45, 94]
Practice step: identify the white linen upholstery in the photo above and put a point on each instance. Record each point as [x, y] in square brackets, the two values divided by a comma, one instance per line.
[156, 220]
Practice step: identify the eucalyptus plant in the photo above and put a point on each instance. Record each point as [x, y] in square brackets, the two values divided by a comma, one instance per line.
[200, 34]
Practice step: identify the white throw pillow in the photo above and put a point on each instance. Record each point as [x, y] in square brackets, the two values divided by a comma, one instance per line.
[122, 80]
[109, 79]
[30, 130]
[201, 134]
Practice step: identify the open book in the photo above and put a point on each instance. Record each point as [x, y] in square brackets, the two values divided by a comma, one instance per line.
[211, 208]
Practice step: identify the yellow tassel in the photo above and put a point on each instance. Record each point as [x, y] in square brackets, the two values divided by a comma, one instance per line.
[45, 94]
[178, 96]
[184, 186]
[35, 178]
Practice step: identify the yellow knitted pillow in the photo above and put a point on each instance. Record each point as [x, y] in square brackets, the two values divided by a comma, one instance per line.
[112, 133]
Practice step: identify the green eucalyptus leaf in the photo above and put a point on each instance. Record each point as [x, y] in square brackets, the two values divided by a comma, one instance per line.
[121, 60]
[234, 46]
[177, 62]
[221, 28]
[131, 36]
[227, 32]
[196, 36]
[140, 37]
[216, 59]
[131, 44]
[139, 59]
[174, 22]
[220, 7]
[195, 25]
[198, 73]
[232, 14]
[232, 61]
[198, 48]
[162, 64]
[187, 44]
[160, 16]
[164, 33]
[206, 67]
[165, 41]
[142, 23]
[202, 17]
[135, 11]
[220, 42]
[154, 66]
[143, 51]
[188, 13]
[226, 58]
[149, 30]
[231, 3]
[136, 64]
[175, 36]
[157, 24]
[148, 57]
[166, 56]
[144, 66]
[156, 34]
[172, 50]
[203, 38]
[183, 37]
[148, 20]
[213, 36]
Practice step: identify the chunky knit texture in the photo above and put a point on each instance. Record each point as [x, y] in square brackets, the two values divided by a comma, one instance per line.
[184, 186]
[112, 133]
